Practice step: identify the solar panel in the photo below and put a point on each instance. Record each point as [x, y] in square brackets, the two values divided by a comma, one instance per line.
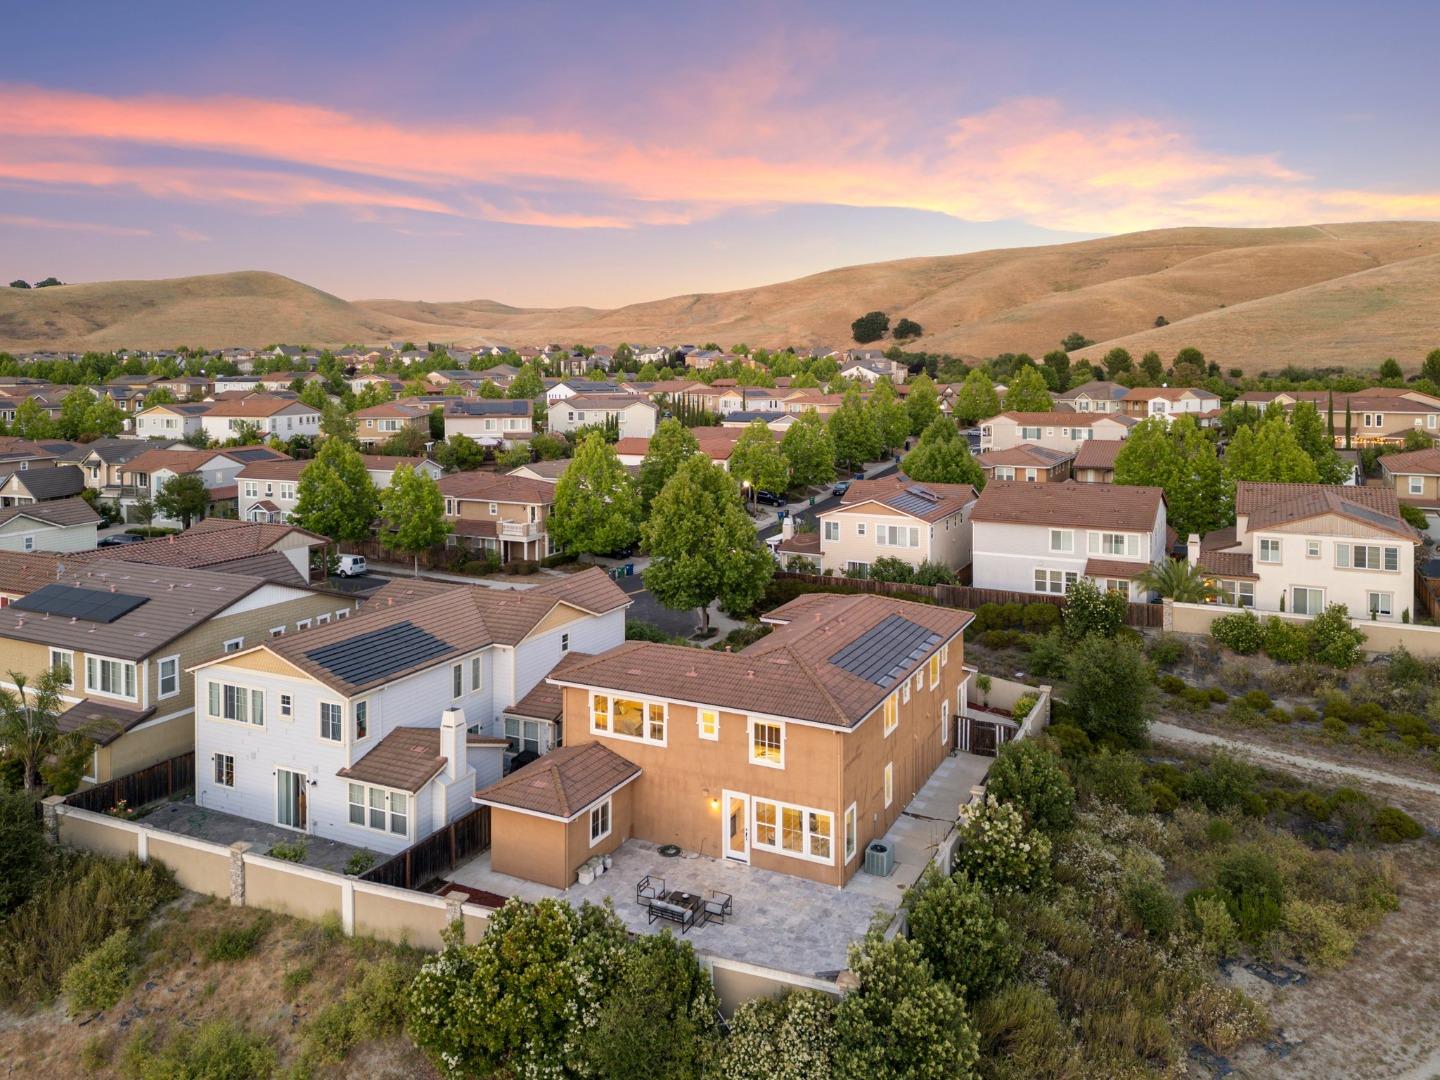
[71, 601]
[1367, 514]
[912, 503]
[885, 650]
[379, 653]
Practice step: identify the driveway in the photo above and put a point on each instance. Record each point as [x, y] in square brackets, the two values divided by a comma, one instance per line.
[802, 510]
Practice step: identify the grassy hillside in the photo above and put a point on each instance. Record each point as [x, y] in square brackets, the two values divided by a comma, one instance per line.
[1252, 298]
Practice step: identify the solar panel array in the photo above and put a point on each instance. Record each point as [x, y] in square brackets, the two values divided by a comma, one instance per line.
[379, 653]
[1373, 516]
[912, 503]
[885, 650]
[73, 602]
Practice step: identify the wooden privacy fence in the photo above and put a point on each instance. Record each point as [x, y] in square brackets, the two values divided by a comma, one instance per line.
[964, 596]
[1427, 597]
[439, 852]
[155, 782]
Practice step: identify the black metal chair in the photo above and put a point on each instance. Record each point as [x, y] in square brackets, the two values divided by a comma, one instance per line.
[718, 906]
[650, 888]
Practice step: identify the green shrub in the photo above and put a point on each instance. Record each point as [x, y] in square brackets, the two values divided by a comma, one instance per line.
[1167, 650]
[1277, 715]
[1115, 777]
[1049, 655]
[998, 852]
[1002, 639]
[296, 978]
[1070, 738]
[1239, 632]
[24, 854]
[1028, 774]
[1218, 934]
[1303, 714]
[1393, 826]
[1152, 907]
[358, 863]
[1253, 891]
[959, 933]
[1405, 669]
[1218, 696]
[1334, 726]
[98, 979]
[1317, 932]
[1171, 684]
[1023, 705]
[372, 1007]
[1196, 697]
[232, 943]
[1040, 618]
[1334, 703]
[1333, 640]
[1239, 712]
[1163, 799]
[217, 1050]
[290, 851]
[1314, 805]
[1257, 700]
[1091, 610]
[1286, 641]
[1219, 831]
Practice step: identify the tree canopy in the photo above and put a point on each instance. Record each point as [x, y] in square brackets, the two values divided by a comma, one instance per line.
[413, 513]
[942, 457]
[597, 506]
[857, 437]
[922, 403]
[1269, 452]
[184, 498]
[809, 449]
[758, 460]
[870, 327]
[1178, 458]
[891, 417]
[1027, 392]
[977, 399]
[671, 444]
[335, 496]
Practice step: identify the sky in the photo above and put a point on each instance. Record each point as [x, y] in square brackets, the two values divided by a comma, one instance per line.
[545, 154]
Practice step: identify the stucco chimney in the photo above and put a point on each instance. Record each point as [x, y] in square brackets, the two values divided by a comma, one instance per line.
[1192, 549]
[787, 527]
[452, 742]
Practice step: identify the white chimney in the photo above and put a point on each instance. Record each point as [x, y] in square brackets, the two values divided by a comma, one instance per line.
[1192, 549]
[787, 527]
[452, 743]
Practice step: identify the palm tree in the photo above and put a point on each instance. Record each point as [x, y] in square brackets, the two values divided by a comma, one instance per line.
[1177, 580]
[29, 721]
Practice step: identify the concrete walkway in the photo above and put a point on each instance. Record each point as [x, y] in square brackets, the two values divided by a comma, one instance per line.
[1266, 755]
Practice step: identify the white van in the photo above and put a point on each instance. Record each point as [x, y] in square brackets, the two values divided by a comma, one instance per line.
[351, 566]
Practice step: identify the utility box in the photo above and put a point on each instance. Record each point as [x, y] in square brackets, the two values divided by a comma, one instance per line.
[880, 859]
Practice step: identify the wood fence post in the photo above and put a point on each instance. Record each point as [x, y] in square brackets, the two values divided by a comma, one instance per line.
[409, 882]
[452, 845]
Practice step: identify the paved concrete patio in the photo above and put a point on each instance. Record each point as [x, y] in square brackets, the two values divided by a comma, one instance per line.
[779, 921]
[187, 819]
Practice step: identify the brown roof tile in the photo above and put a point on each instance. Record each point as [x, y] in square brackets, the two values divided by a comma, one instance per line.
[1098, 453]
[1412, 462]
[928, 502]
[1071, 503]
[563, 783]
[1266, 505]
[496, 487]
[206, 543]
[406, 760]
[1065, 419]
[1027, 454]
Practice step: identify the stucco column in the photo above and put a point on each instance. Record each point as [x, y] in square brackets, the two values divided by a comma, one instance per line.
[237, 872]
[50, 816]
[453, 900]
[1167, 614]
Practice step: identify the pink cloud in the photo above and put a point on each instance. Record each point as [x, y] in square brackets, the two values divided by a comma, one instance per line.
[1027, 158]
[22, 221]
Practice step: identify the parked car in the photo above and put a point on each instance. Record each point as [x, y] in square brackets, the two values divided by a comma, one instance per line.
[352, 566]
[120, 540]
[840, 488]
[769, 498]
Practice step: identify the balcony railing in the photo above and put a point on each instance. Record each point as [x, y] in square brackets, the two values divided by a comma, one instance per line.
[519, 530]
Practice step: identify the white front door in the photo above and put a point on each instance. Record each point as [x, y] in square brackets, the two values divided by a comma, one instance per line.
[736, 826]
[291, 797]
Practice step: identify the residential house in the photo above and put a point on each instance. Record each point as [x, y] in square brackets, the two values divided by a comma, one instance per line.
[494, 422]
[504, 516]
[872, 370]
[717, 443]
[1064, 431]
[55, 525]
[1032, 464]
[174, 420]
[377, 731]
[380, 423]
[25, 486]
[897, 518]
[1167, 402]
[144, 476]
[360, 383]
[125, 632]
[791, 755]
[272, 414]
[269, 490]
[1095, 461]
[1042, 538]
[103, 461]
[1300, 547]
[561, 389]
[635, 417]
[1415, 476]
[1095, 396]
[281, 553]
[1379, 415]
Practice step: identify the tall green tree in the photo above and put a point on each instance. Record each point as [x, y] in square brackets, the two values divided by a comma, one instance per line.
[808, 448]
[857, 437]
[104, 419]
[412, 511]
[70, 423]
[758, 461]
[671, 444]
[597, 506]
[335, 496]
[922, 403]
[184, 497]
[1269, 452]
[1309, 432]
[892, 419]
[942, 457]
[703, 545]
[1118, 362]
[1112, 686]
[1430, 369]
[977, 399]
[527, 384]
[1152, 368]
[31, 421]
[1180, 459]
[1027, 392]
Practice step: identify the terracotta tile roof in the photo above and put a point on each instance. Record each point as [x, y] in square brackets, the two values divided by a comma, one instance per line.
[1027, 454]
[496, 487]
[1228, 564]
[604, 401]
[1114, 568]
[272, 566]
[790, 673]
[1168, 393]
[927, 502]
[1097, 453]
[176, 461]
[258, 405]
[393, 409]
[1093, 389]
[563, 783]
[101, 721]
[803, 543]
[1070, 503]
[206, 543]
[406, 759]
[1267, 505]
[1064, 419]
[1413, 462]
[53, 512]
[290, 469]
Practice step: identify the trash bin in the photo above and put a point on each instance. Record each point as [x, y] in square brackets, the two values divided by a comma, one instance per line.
[629, 569]
[812, 500]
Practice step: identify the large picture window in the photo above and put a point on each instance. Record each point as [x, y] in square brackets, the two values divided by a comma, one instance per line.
[113, 678]
[797, 831]
[378, 809]
[1367, 557]
[237, 703]
[628, 718]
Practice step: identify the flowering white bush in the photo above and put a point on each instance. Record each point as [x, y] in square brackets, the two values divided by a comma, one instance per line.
[789, 1038]
[998, 852]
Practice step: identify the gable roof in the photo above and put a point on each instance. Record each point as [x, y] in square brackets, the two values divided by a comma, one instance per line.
[928, 502]
[258, 405]
[496, 487]
[205, 544]
[58, 512]
[1268, 505]
[55, 482]
[800, 671]
[1070, 503]
[563, 783]
[406, 759]
[1029, 454]
[1064, 419]
[1098, 453]
[1095, 388]
[1413, 462]
[176, 461]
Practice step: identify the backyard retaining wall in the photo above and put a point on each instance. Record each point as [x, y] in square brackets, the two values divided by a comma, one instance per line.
[1380, 637]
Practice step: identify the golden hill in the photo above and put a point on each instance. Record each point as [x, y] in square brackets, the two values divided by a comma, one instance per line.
[1252, 298]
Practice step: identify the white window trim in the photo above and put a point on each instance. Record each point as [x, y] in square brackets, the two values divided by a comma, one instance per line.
[851, 838]
[287, 706]
[777, 848]
[320, 721]
[95, 690]
[645, 703]
[234, 644]
[750, 743]
[160, 677]
[1388, 612]
[69, 663]
[216, 775]
[355, 707]
[220, 717]
[700, 715]
[944, 720]
[609, 813]
[1260, 548]
[388, 793]
[888, 782]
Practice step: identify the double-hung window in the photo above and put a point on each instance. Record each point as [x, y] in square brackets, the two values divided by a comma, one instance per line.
[378, 809]
[892, 714]
[905, 536]
[934, 670]
[1123, 544]
[63, 660]
[708, 722]
[168, 681]
[832, 530]
[767, 743]
[1367, 557]
[225, 770]
[362, 719]
[112, 678]
[457, 680]
[523, 735]
[238, 703]
[1381, 604]
[1055, 581]
[330, 721]
[1417, 483]
[1062, 540]
[1269, 548]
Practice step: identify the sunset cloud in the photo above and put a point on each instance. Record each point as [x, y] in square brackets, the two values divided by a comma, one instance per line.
[22, 221]
[1028, 159]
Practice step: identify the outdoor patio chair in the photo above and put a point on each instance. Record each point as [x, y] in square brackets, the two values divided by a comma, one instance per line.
[718, 906]
[650, 888]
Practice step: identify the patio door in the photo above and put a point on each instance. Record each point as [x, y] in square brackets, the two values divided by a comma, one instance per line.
[290, 799]
[736, 837]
